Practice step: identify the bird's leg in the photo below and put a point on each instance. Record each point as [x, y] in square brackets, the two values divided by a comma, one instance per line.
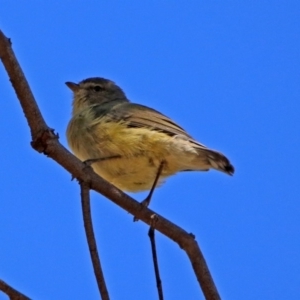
[151, 232]
[146, 201]
[89, 162]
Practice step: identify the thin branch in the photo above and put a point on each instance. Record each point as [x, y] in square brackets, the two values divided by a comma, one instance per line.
[11, 292]
[151, 234]
[44, 140]
[36, 122]
[88, 226]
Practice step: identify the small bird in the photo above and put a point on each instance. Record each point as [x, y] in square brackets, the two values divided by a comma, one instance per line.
[132, 146]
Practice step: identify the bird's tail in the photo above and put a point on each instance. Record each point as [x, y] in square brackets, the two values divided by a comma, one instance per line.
[213, 159]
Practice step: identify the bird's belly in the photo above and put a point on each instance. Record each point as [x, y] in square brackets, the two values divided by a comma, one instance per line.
[140, 152]
[138, 172]
[130, 174]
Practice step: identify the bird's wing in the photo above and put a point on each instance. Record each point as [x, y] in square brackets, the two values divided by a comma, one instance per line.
[140, 116]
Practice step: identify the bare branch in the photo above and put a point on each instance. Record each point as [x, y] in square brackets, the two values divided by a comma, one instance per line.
[35, 121]
[44, 140]
[88, 226]
[151, 234]
[11, 292]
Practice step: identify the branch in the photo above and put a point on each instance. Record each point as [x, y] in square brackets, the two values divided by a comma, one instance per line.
[11, 292]
[151, 234]
[44, 140]
[88, 225]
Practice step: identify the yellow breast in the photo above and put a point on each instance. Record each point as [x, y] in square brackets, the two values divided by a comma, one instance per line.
[141, 151]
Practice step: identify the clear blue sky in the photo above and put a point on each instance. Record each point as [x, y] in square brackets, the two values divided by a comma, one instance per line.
[226, 71]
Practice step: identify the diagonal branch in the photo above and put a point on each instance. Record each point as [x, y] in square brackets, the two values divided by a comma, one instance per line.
[11, 292]
[45, 141]
[88, 226]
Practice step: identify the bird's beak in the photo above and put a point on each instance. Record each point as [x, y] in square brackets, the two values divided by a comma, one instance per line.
[73, 86]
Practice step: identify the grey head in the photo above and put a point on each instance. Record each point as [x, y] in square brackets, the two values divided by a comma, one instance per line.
[95, 90]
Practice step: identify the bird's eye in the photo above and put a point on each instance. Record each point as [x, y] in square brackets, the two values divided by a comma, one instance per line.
[97, 88]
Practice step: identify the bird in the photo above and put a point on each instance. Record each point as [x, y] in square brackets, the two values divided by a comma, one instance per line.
[132, 146]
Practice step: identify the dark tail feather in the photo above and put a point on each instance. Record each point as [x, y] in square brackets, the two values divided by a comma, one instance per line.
[220, 162]
[216, 160]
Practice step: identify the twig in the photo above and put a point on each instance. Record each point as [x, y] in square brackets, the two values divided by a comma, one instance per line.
[88, 226]
[44, 140]
[11, 292]
[151, 234]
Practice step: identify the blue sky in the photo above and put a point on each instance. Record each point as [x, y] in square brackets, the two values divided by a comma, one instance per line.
[228, 72]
